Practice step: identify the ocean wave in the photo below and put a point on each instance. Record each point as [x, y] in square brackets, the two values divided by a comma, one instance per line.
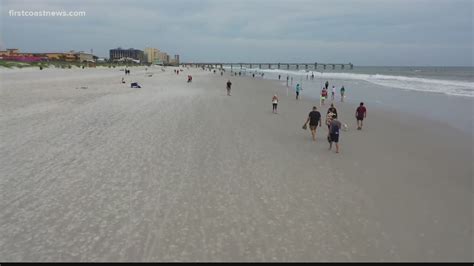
[449, 87]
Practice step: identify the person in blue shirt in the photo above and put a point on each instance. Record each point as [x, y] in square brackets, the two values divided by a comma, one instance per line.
[333, 136]
[343, 91]
[298, 88]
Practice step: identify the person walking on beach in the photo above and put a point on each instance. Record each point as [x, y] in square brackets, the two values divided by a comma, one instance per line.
[275, 104]
[312, 75]
[343, 90]
[333, 93]
[287, 79]
[229, 85]
[324, 94]
[328, 121]
[332, 110]
[326, 85]
[298, 88]
[334, 129]
[279, 77]
[314, 118]
[361, 113]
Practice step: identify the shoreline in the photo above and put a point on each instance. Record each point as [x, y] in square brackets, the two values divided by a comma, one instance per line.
[374, 106]
[433, 106]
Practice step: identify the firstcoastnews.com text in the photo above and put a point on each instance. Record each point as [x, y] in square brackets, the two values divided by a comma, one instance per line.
[45, 13]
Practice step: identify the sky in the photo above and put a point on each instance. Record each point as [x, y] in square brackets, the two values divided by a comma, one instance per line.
[364, 32]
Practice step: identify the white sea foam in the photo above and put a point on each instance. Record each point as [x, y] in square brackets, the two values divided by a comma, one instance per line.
[449, 87]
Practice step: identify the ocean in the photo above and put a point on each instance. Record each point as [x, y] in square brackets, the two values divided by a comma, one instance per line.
[443, 94]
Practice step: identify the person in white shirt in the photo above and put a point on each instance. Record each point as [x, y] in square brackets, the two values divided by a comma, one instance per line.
[333, 93]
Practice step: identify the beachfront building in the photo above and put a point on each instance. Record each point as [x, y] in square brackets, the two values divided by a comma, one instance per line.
[85, 57]
[15, 55]
[164, 57]
[157, 57]
[151, 54]
[9, 52]
[120, 54]
[174, 61]
[54, 56]
[71, 56]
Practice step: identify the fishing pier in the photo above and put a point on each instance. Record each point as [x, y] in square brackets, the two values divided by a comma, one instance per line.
[287, 66]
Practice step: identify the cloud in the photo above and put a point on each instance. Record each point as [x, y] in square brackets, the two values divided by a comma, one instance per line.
[256, 30]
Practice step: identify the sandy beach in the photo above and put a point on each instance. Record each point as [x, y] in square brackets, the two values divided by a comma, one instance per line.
[92, 170]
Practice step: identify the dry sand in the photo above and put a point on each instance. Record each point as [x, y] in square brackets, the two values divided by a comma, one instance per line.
[182, 172]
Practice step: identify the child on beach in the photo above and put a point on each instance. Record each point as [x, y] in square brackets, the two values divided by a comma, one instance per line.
[275, 103]
[324, 94]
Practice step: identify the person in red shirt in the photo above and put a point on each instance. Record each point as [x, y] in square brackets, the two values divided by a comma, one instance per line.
[360, 114]
[324, 95]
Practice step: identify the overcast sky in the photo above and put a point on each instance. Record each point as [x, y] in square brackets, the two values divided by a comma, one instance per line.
[364, 32]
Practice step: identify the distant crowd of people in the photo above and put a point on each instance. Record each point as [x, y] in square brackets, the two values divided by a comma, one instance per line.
[314, 118]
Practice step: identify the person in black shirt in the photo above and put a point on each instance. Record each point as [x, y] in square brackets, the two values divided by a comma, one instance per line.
[229, 85]
[314, 118]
